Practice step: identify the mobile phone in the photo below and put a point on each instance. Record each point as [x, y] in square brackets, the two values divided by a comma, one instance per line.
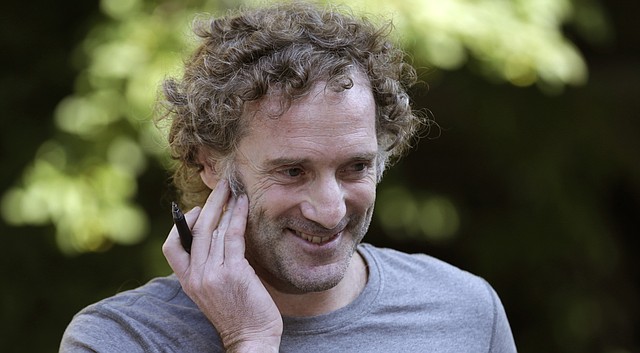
[183, 228]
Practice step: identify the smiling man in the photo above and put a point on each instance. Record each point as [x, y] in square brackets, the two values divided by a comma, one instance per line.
[282, 124]
[311, 178]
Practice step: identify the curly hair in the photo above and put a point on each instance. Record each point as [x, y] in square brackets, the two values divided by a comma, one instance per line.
[285, 48]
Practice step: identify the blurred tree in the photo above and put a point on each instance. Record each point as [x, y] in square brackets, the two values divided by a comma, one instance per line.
[84, 178]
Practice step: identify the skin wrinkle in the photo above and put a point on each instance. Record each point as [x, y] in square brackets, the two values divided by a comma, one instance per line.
[267, 179]
[323, 134]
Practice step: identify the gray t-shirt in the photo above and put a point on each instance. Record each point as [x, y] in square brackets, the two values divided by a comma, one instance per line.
[411, 303]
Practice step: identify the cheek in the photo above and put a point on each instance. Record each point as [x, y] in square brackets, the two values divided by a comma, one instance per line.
[256, 192]
[257, 189]
[272, 200]
[362, 196]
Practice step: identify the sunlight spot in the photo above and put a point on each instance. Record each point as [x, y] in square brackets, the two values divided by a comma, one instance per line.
[439, 218]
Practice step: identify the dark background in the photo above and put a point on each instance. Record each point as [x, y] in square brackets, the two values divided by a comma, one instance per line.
[548, 189]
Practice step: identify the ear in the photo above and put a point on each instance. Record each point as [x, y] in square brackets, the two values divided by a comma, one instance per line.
[209, 175]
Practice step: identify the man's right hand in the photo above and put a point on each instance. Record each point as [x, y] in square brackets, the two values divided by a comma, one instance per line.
[219, 279]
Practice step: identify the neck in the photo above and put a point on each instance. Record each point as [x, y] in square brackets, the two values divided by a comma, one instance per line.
[318, 303]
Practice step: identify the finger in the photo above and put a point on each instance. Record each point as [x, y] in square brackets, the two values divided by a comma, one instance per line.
[217, 239]
[234, 237]
[228, 214]
[207, 222]
[172, 249]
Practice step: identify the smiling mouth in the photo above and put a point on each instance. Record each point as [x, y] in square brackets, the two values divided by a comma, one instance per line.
[314, 238]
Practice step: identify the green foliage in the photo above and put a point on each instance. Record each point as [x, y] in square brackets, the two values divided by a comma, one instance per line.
[85, 176]
[518, 41]
[84, 179]
[434, 217]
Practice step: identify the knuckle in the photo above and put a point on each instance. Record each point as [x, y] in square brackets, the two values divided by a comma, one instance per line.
[198, 230]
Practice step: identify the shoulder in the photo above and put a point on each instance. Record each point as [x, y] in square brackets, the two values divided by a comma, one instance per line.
[429, 268]
[137, 302]
[441, 303]
[137, 320]
[429, 277]
[442, 295]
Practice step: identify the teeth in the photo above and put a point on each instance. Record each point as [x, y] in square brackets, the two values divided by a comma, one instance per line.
[310, 238]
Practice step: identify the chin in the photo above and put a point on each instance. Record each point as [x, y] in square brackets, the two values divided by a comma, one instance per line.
[301, 281]
[315, 286]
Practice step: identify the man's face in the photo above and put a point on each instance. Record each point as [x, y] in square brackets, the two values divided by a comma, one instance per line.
[310, 175]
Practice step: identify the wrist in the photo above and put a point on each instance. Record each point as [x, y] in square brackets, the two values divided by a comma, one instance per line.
[261, 338]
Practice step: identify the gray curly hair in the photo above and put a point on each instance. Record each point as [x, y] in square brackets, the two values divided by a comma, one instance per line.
[287, 48]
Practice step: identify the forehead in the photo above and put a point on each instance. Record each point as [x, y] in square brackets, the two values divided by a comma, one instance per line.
[322, 122]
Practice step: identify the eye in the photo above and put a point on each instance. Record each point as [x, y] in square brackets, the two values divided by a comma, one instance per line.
[292, 172]
[357, 168]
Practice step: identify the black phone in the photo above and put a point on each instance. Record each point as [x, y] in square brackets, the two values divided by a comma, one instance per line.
[183, 228]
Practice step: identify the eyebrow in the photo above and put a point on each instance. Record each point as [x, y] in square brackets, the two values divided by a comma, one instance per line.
[284, 161]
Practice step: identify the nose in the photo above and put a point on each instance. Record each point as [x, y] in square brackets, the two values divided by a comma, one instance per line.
[325, 202]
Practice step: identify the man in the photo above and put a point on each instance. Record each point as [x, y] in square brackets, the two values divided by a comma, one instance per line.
[283, 124]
